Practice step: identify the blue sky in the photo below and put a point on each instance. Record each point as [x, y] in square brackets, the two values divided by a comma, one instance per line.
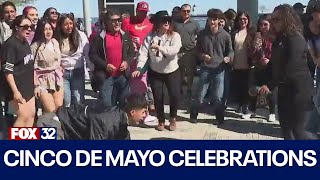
[202, 6]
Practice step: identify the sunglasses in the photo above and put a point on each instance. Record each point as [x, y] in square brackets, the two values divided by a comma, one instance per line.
[243, 19]
[114, 21]
[53, 12]
[26, 27]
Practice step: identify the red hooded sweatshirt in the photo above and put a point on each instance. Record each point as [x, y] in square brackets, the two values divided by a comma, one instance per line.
[137, 31]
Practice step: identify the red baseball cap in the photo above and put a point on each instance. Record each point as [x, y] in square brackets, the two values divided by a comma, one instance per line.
[143, 6]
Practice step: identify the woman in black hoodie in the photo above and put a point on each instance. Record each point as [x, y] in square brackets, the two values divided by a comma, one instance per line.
[290, 73]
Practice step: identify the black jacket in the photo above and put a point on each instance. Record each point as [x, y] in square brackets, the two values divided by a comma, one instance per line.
[94, 122]
[98, 57]
[290, 72]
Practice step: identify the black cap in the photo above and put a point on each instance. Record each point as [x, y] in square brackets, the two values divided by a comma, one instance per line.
[299, 6]
[160, 15]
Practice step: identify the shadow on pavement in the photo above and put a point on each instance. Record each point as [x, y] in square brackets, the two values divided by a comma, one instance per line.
[144, 126]
[164, 138]
[245, 127]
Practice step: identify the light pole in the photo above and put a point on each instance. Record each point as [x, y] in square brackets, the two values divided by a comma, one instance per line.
[86, 16]
[193, 7]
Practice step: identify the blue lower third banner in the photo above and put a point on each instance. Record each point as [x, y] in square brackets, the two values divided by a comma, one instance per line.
[159, 159]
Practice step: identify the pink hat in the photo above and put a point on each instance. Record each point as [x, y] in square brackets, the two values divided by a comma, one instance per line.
[143, 6]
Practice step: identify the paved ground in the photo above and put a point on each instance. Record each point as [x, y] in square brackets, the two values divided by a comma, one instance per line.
[234, 128]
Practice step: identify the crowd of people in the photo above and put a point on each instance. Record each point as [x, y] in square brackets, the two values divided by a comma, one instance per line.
[131, 59]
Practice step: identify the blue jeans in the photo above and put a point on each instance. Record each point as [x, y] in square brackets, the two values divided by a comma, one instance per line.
[74, 86]
[227, 78]
[114, 91]
[215, 78]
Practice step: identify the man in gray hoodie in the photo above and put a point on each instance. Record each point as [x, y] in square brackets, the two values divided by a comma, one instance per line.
[214, 48]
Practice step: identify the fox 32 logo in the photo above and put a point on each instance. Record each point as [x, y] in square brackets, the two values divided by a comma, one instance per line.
[44, 133]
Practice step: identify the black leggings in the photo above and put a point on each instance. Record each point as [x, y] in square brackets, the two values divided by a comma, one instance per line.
[172, 82]
[241, 86]
[187, 65]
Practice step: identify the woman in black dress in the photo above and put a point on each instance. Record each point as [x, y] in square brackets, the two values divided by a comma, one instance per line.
[18, 68]
[290, 73]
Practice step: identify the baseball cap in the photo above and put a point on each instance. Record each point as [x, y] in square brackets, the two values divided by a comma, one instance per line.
[143, 6]
[299, 6]
[160, 15]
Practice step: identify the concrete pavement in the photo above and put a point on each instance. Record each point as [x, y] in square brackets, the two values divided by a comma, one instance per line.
[234, 128]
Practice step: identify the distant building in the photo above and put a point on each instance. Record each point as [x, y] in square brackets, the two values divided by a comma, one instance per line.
[124, 6]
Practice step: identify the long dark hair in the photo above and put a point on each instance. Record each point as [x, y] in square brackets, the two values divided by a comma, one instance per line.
[157, 25]
[39, 34]
[156, 21]
[74, 36]
[47, 14]
[16, 22]
[289, 19]
[315, 8]
[264, 17]
[237, 20]
[230, 14]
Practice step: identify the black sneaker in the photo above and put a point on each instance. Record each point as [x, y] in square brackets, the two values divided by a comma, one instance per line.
[194, 120]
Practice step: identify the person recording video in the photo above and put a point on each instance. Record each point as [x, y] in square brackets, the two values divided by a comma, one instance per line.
[161, 47]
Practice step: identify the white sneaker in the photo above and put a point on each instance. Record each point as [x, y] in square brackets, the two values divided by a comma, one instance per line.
[272, 118]
[150, 118]
[248, 115]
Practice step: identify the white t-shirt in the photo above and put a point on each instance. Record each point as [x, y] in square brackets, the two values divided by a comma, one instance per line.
[7, 31]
